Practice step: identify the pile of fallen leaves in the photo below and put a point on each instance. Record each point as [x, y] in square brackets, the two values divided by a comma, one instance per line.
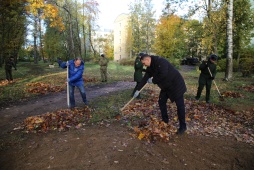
[60, 120]
[43, 88]
[89, 79]
[248, 88]
[201, 118]
[232, 94]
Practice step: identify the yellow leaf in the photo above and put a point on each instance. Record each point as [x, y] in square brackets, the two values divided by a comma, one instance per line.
[141, 136]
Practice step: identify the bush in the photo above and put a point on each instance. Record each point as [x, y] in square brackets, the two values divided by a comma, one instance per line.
[221, 65]
[127, 61]
[246, 66]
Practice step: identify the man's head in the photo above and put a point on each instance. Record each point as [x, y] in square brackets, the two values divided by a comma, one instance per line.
[146, 60]
[77, 61]
[102, 55]
[140, 54]
[213, 58]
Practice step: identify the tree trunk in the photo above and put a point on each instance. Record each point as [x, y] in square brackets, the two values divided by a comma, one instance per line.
[83, 26]
[40, 35]
[77, 25]
[229, 65]
[35, 39]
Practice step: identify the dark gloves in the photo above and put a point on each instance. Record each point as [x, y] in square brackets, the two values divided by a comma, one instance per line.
[212, 78]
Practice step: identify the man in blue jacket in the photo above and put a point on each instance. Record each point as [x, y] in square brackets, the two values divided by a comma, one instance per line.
[159, 71]
[76, 69]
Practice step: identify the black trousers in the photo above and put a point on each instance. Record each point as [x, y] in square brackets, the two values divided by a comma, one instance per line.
[180, 108]
[8, 75]
[208, 89]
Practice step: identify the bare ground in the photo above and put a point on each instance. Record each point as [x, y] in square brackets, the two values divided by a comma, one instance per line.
[108, 145]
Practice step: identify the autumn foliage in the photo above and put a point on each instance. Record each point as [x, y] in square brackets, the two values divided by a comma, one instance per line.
[202, 119]
[60, 120]
[42, 88]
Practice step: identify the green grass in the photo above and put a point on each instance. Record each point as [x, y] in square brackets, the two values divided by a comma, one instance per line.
[30, 72]
[191, 79]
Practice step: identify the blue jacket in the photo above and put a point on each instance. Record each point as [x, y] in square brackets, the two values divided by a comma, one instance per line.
[75, 73]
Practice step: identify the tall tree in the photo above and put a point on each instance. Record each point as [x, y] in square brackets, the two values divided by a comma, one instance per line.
[142, 23]
[170, 40]
[229, 66]
[12, 28]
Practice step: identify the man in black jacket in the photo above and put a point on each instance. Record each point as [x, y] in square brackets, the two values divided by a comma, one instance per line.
[159, 71]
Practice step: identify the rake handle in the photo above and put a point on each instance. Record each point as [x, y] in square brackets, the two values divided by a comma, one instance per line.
[132, 98]
[214, 82]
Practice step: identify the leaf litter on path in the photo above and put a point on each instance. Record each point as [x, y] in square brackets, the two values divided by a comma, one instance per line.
[201, 118]
[60, 120]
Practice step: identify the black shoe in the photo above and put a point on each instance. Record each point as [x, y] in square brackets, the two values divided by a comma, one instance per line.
[196, 98]
[208, 102]
[181, 131]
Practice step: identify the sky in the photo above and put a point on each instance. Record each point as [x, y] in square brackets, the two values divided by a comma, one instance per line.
[110, 9]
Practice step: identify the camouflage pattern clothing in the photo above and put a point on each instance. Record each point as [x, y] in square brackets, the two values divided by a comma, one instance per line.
[9, 63]
[138, 66]
[103, 62]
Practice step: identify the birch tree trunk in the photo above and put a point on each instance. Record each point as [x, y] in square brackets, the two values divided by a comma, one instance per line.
[229, 65]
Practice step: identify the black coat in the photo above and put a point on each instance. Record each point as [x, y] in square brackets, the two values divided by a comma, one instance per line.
[166, 77]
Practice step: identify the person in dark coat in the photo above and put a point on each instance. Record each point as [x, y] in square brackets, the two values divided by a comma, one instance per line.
[159, 71]
[9, 63]
[138, 66]
[205, 78]
[76, 69]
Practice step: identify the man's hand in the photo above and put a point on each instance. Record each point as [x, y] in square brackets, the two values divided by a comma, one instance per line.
[150, 80]
[212, 78]
[136, 94]
[15, 68]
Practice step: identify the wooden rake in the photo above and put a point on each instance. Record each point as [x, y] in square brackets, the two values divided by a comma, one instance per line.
[132, 99]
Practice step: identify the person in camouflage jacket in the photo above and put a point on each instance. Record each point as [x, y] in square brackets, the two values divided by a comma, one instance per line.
[9, 63]
[103, 62]
[205, 78]
[138, 67]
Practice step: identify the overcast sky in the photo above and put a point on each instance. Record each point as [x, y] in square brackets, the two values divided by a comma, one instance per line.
[110, 9]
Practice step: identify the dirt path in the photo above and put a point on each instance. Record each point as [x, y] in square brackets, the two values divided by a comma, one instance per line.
[108, 145]
[52, 102]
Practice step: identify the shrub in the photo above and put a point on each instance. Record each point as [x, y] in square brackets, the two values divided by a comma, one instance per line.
[221, 65]
[246, 66]
[127, 61]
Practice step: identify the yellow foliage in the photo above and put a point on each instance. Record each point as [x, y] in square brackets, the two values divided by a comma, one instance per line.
[48, 11]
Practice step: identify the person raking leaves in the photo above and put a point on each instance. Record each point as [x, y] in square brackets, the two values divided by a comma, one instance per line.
[205, 78]
[159, 71]
[76, 69]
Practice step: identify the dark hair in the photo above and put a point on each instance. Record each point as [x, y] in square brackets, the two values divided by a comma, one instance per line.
[102, 55]
[144, 56]
[213, 57]
[78, 58]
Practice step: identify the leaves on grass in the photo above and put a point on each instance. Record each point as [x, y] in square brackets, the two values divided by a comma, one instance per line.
[248, 88]
[201, 118]
[43, 88]
[59, 120]
[6, 82]
[89, 79]
[232, 94]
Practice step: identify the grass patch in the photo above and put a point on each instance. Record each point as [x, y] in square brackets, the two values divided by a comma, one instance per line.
[107, 107]
[30, 73]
